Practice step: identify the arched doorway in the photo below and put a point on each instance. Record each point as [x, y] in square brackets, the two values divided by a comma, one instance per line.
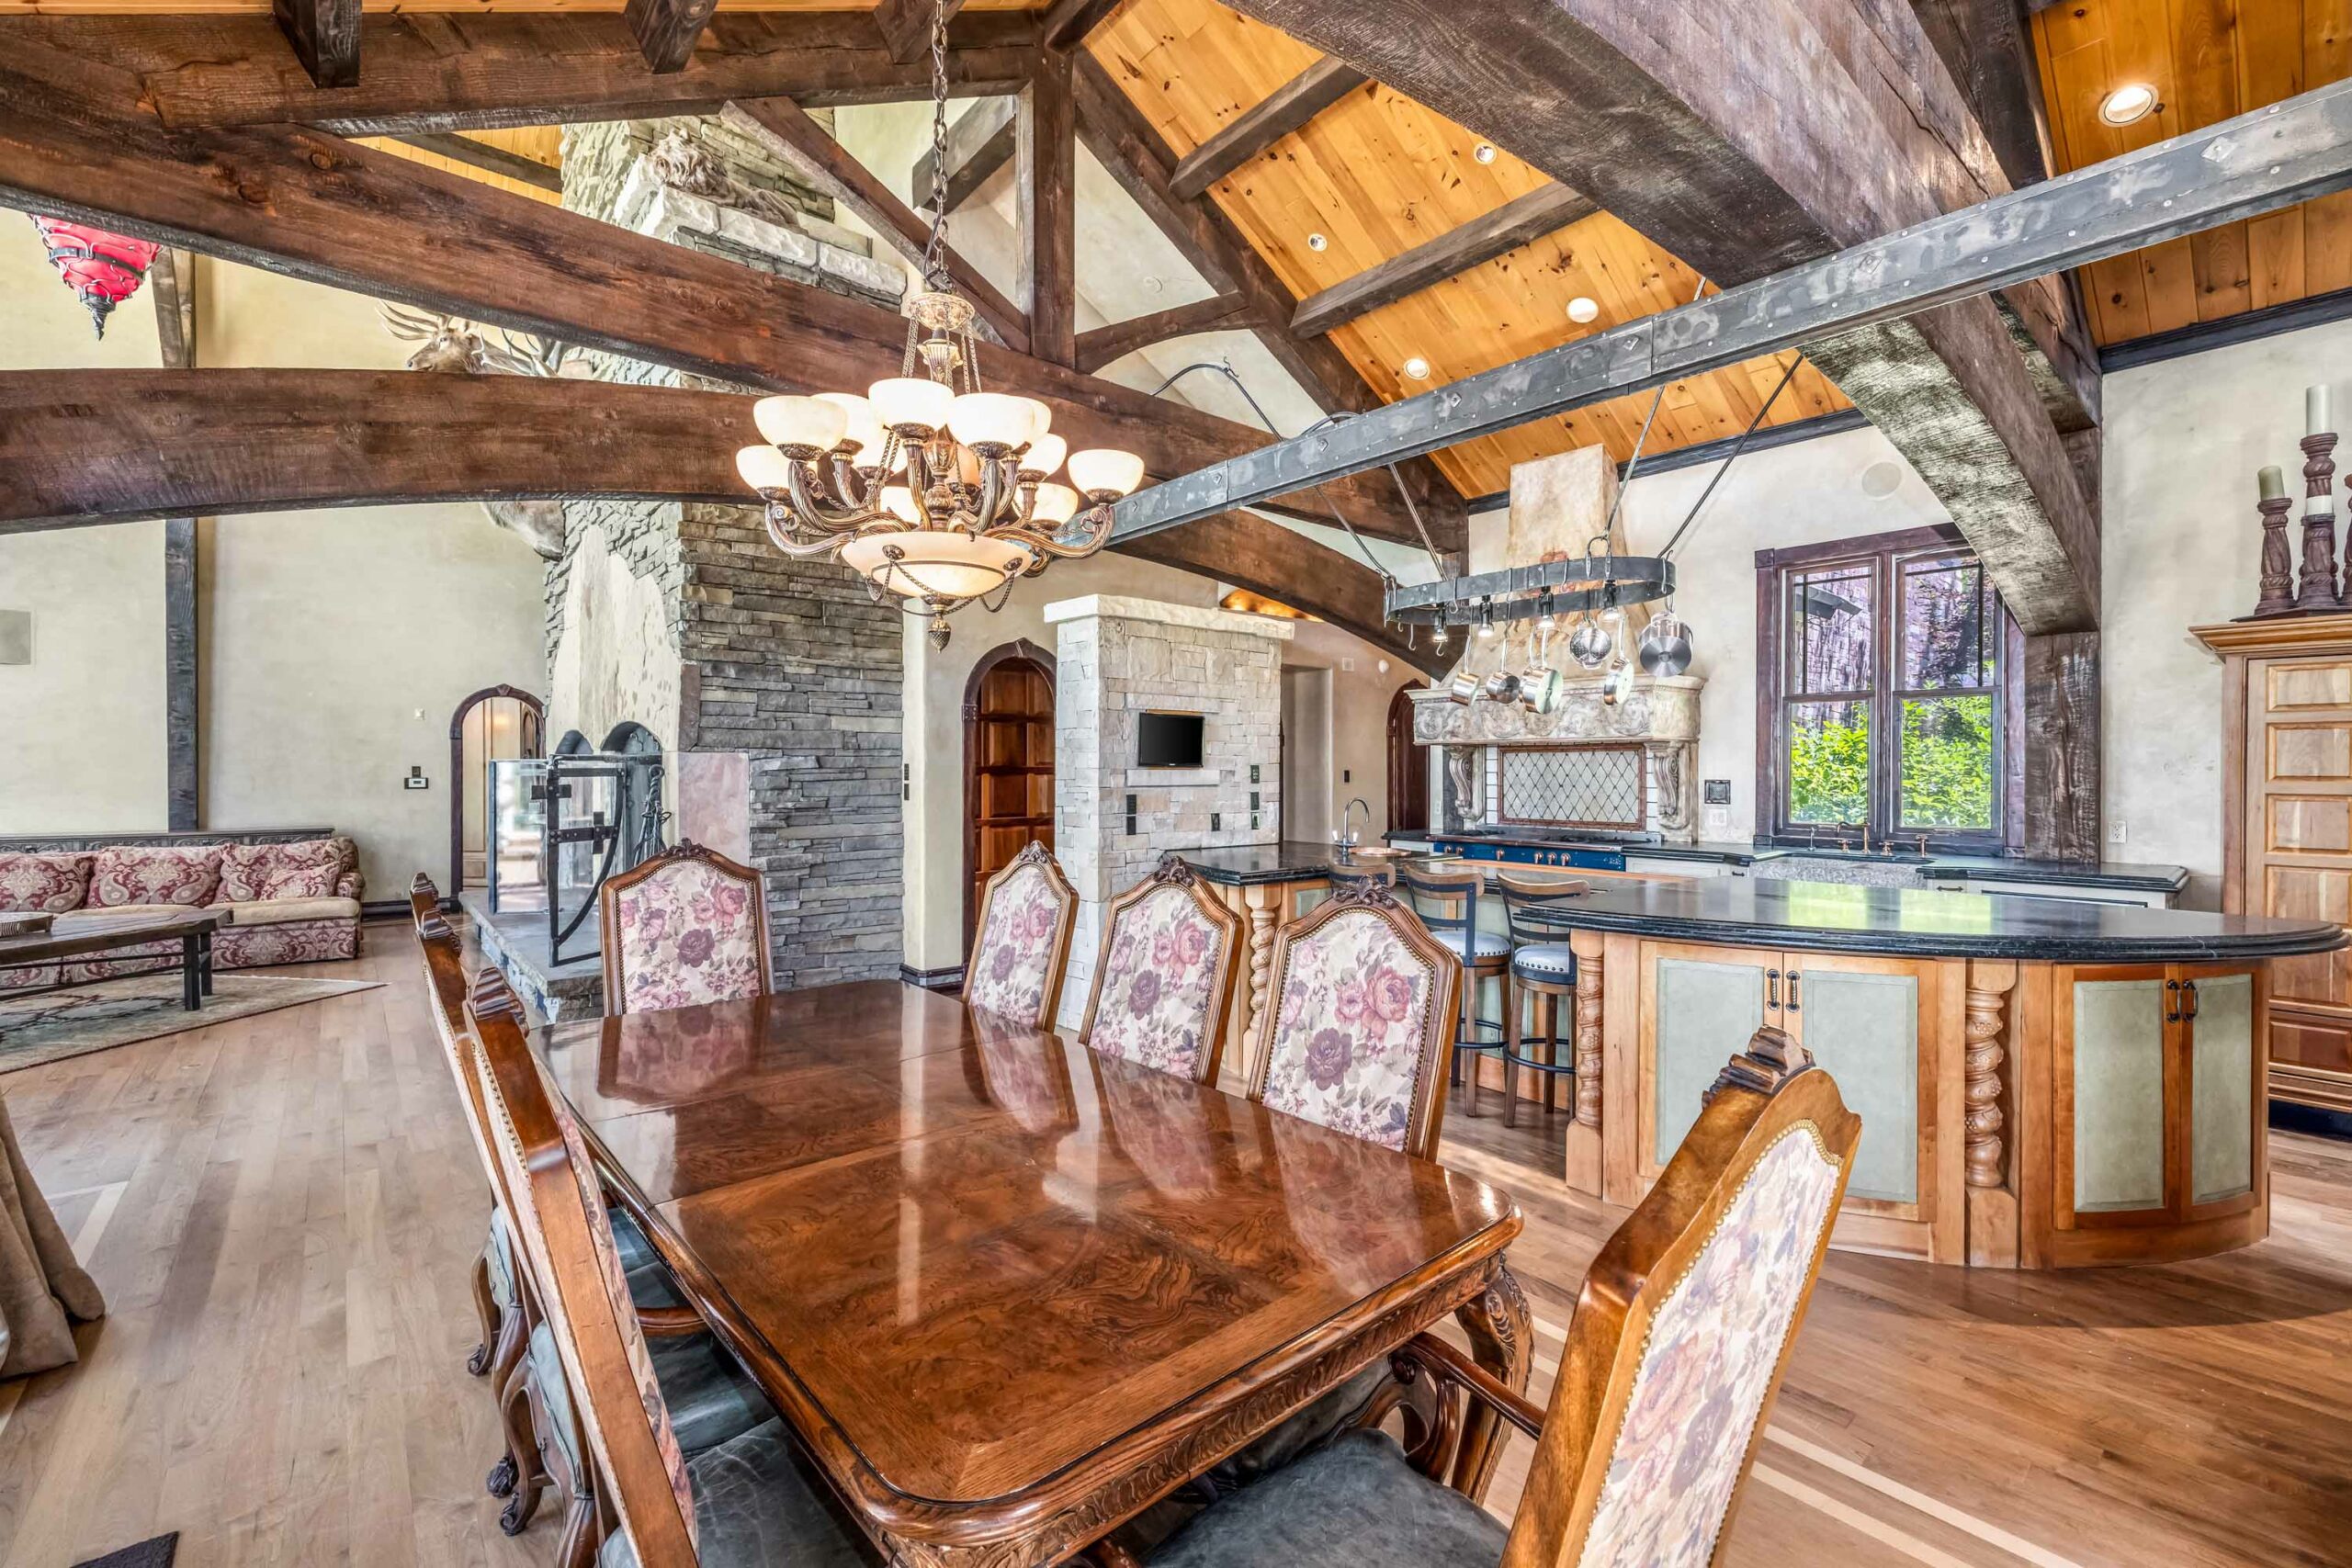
[1008, 763]
[1408, 766]
[496, 724]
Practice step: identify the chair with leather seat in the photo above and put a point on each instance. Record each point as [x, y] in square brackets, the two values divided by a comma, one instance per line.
[670, 1492]
[1542, 972]
[1672, 1358]
[1447, 903]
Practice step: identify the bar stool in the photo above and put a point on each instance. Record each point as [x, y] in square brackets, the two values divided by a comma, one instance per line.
[1365, 875]
[1542, 967]
[1447, 903]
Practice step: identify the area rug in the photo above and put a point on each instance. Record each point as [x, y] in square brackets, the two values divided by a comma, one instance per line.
[156, 1552]
[52, 1027]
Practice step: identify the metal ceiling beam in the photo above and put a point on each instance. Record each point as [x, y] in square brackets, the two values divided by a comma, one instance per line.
[2257, 163]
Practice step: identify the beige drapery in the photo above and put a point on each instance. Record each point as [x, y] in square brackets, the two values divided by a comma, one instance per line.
[41, 1286]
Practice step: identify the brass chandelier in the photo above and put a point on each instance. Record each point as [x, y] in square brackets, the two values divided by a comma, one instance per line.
[940, 492]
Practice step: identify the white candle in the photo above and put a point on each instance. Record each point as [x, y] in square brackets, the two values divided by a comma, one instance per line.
[2273, 483]
[2315, 417]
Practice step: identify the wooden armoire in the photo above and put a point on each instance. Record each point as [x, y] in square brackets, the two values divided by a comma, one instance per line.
[2287, 827]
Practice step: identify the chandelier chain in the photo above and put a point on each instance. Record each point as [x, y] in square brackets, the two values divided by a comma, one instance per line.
[935, 250]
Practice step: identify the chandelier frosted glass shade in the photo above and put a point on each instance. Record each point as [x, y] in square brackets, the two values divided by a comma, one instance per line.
[933, 563]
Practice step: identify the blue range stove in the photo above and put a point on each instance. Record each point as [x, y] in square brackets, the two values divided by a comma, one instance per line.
[1535, 846]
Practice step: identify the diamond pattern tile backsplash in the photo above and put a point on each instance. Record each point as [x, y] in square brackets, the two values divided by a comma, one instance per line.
[1601, 785]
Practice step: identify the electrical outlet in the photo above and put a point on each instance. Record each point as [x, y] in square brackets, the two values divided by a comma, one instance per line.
[1719, 818]
[1346, 665]
[1216, 821]
[2115, 832]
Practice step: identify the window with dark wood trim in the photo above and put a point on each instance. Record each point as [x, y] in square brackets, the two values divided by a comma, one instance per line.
[1884, 674]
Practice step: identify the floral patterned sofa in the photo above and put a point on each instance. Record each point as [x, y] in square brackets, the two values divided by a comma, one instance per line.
[282, 902]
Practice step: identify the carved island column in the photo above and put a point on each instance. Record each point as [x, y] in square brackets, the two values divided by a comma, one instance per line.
[1264, 900]
[1584, 1132]
[1992, 1194]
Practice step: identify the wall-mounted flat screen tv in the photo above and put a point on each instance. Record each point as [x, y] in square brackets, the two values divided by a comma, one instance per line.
[1168, 739]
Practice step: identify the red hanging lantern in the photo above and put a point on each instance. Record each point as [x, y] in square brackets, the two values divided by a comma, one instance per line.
[102, 269]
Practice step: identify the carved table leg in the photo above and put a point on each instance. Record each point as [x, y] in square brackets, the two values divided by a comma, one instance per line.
[1992, 1204]
[1584, 1134]
[1502, 1337]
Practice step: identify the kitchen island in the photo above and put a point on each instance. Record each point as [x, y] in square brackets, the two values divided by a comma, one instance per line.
[2042, 1084]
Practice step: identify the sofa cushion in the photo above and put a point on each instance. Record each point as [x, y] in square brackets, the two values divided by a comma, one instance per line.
[92, 920]
[286, 911]
[134, 873]
[44, 883]
[308, 869]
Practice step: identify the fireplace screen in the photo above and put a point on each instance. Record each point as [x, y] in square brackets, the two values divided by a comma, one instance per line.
[1577, 786]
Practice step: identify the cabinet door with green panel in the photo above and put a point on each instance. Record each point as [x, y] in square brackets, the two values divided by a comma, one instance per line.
[1863, 1019]
[2157, 1108]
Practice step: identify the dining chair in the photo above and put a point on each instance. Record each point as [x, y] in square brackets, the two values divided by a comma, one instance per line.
[748, 1499]
[1357, 1022]
[1447, 903]
[1027, 912]
[685, 926]
[1674, 1354]
[1542, 972]
[1163, 984]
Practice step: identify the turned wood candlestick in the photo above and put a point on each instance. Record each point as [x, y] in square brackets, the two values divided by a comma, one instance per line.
[2278, 563]
[2319, 588]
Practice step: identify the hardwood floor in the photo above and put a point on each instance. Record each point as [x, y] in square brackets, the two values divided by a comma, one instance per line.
[282, 1210]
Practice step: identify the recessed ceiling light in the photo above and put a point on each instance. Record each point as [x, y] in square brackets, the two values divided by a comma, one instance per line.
[2132, 101]
[1317, 243]
[1416, 369]
[1583, 308]
[1484, 151]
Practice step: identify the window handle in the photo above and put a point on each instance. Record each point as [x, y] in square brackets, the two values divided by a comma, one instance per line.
[2172, 1001]
[1793, 978]
[1771, 990]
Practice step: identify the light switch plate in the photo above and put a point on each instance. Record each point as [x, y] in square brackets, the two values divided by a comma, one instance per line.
[1718, 817]
[2115, 832]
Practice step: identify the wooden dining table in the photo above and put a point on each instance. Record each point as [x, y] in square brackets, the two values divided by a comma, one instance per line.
[1011, 1293]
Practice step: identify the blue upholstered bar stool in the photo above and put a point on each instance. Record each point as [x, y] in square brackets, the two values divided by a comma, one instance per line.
[1447, 903]
[1542, 969]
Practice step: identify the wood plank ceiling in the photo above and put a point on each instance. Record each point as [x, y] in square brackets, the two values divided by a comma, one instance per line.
[2207, 60]
[1376, 174]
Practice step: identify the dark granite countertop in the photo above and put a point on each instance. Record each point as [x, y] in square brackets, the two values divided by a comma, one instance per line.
[2080, 874]
[1726, 852]
[1930, 924]
[1290, 861]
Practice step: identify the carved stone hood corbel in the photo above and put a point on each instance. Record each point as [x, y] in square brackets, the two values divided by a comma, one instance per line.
[1658, 708]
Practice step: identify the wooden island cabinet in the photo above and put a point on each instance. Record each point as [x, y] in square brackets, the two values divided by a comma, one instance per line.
[2041, 1084]
[2287, 829]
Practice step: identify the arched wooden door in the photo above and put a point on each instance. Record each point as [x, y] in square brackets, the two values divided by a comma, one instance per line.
[1409, 767]
[1008, 763]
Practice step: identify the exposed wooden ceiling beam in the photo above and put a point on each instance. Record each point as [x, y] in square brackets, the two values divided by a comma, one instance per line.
[448, 71]
[75, 138]
[1539, 212]
[490, 160]
[1067, 22]
[979, 142]
[784, 128]
[325, 35]
[905, 25]
[80, 447]
[1747, 139]
[2258, 163]
[1287, 109]
[1134, 155]
[1046, 196]
[666, 29]
[1218, 313]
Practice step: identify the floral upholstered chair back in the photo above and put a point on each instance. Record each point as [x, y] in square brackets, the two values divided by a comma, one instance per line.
[1685, 1325]
[1023, 944]
[1354, 1029]
[687, 927]
[568, 1247]
[1164, 983]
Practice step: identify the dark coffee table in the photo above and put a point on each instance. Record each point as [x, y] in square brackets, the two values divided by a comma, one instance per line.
[80, 935]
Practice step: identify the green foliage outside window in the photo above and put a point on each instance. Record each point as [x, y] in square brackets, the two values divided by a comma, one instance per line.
[1948, 763]
[1829, 765]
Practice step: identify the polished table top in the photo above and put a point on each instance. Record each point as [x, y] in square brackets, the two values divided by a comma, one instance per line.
[977, 1259]
[1924, 923]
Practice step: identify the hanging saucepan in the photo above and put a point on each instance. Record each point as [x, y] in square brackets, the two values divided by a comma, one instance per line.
[1539, 684]
[1589, 644]
[1666, 645]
